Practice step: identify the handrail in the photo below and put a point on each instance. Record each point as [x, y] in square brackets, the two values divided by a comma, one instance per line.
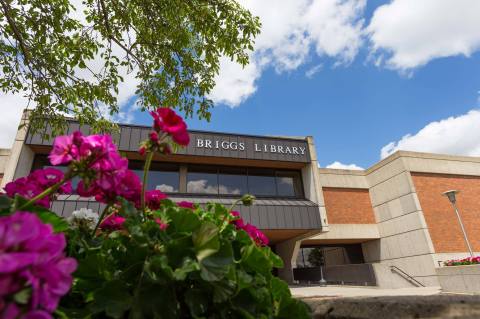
[404, 274]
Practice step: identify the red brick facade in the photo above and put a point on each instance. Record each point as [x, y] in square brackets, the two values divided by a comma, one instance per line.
[348, 206]
[440, 217]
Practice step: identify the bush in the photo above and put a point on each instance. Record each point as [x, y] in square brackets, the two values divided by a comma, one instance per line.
[146, 256]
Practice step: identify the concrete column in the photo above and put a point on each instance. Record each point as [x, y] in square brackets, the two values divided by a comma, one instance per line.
[21, 156]
[312, 185]
[183, 179]
[288, 251]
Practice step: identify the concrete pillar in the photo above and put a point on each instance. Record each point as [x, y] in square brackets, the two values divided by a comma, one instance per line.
[21, 156]
[288, 251]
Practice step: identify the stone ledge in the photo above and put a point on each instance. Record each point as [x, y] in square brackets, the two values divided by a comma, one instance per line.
[399, 307]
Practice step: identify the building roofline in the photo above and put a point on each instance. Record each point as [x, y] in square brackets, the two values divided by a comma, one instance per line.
[294, 138]
[397, 155]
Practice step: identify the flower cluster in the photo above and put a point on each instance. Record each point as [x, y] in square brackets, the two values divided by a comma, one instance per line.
[32, 263]
[83, 218]
[113, 222]
[463, 261]
[251, 230]
[96, 159]
[34, 184]
[165, 123]
[153, 199]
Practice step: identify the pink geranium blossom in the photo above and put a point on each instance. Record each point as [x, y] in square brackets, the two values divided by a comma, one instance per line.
[31, 255]
[161, 224]
[254, 233]
[64, 150]
[167, 121]
[113, 222]
[35, 183]
[153, 199]
[185, 204]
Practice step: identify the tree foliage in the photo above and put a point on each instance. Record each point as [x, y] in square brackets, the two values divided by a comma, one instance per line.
[69, 57]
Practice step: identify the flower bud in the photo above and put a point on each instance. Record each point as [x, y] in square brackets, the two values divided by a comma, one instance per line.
[142, 150]
[248, 199]
[154, 137]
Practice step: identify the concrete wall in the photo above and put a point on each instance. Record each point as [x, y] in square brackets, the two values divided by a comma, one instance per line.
[20, 160]
[464, 279]
[405, 241]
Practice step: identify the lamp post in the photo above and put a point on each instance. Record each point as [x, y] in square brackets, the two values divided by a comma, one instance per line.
[451, 197]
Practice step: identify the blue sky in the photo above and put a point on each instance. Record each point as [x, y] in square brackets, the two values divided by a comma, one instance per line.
[356, 108]
[364, 78]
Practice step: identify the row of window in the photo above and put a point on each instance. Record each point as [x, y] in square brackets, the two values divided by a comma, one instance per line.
[226, 181]
[219, 180]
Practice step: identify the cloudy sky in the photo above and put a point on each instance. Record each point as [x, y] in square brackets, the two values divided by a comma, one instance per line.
[364, 78]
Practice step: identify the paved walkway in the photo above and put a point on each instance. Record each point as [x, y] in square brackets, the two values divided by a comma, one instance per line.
[358, 291]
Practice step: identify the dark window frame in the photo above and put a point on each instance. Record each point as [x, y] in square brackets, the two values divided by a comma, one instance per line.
[248, 170]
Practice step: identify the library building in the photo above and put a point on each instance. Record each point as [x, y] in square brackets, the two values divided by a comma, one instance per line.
[390, 225]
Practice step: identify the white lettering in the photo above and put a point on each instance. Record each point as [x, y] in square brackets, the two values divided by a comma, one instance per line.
[225, 145]
[280, 149]
[256, 148]
[208, 143]
[273, 149]
[295, 150]
[199, 142]
[288, 150]
[302, 149]
[241, 146]
[265, 148]
[216, 145]
[234, 145]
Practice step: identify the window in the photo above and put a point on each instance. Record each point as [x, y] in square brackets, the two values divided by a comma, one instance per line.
[261, 182]
[202, 180]
[288, 184]
[162, 176]
[232, 181]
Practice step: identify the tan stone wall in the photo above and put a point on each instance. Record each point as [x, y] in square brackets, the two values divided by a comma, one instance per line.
[441, 220]
[348, 206]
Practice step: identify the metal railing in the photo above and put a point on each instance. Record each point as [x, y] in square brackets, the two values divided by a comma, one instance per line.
[406, 276]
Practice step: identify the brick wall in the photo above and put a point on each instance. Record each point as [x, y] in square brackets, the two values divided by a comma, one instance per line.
[440, 217]
[348, 206]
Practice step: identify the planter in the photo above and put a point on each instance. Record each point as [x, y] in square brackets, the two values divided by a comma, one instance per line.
[464, 278]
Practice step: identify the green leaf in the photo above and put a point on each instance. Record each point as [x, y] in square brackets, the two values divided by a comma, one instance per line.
[197, 301]
[205, 240]
[5, 202]
[215, 267]
[256, 260]
[113, 299]
[184, 220]
[23, 296]
[59, 224]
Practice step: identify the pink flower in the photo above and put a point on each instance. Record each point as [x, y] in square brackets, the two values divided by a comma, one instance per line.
[142, 150]
[63, 151]
[153, 199]
[35, 183]
[31, 255]
[166, 120]
[238, 222]
[185, 204]
[163, 226]
[256, 234]
[113, 222]
[153, 137]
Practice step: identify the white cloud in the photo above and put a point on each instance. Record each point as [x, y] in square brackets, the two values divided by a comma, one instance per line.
[338, 165]
[13, 106]
[290, 30]
[313, 70]
[455, 135]
[409, 33]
